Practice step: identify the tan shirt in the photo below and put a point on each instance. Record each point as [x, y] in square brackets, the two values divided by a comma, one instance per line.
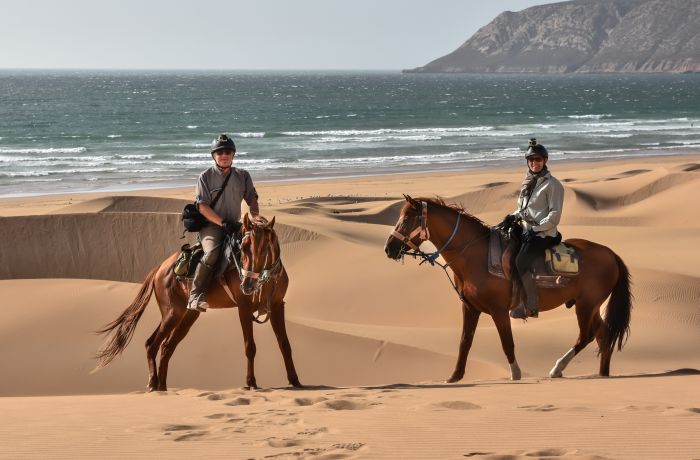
[239, 187]
[543, 212]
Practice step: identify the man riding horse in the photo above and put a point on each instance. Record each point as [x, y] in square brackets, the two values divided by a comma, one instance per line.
[223, 218]
[540, 204]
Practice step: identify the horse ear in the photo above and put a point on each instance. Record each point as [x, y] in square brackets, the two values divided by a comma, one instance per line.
[246, 222]
[411, 201]
[271, 223]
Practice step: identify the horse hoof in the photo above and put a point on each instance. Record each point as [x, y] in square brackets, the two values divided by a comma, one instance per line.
[296, 384]
[453, 379]
[556, 374]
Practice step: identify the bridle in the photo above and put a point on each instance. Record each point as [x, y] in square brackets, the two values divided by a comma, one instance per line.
[264, 275]
[420, 231]
[423, 234]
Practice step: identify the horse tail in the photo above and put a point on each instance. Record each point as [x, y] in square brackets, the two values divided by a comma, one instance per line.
[123, 327]
[618, 313]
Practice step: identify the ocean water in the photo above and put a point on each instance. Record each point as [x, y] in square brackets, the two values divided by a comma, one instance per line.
[86, 131]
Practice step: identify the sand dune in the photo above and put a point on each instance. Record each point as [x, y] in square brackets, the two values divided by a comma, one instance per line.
[373, 338]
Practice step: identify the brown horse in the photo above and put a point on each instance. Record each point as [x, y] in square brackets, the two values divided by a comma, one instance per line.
[260, 286]
[462, 241]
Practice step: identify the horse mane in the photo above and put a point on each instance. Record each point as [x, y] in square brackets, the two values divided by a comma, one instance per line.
[439, 201]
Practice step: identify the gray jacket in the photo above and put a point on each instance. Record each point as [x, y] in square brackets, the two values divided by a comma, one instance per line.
[543, 211]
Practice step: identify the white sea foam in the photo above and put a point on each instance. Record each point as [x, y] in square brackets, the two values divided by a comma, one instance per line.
[146, 156]
[249, 134]
[590, 116]
[385, 131]
[114, 136]
[46, 150]
[192, 126]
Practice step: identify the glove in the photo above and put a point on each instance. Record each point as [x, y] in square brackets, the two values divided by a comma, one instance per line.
[508, 221]
[529, 236]
[231, 227]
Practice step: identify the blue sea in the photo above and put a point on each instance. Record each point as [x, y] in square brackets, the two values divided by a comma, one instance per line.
[75, 131]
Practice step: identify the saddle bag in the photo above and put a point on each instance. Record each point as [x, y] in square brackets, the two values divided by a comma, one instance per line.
[192, 219]
[561, 260]
[187, 261]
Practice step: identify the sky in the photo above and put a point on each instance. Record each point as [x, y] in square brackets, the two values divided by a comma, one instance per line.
[239, 35]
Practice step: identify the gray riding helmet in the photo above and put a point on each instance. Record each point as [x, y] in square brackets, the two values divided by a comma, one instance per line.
[223, 142]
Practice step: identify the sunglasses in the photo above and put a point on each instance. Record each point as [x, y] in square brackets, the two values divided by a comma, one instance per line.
[535, 159]
[224, 152]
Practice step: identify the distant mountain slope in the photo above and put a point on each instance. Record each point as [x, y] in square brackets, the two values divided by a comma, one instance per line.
[584, 36]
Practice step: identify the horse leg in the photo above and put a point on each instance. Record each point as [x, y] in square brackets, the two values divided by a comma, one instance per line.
[166, 326]
[246, 318]
[502, 321]
[169, 345]
[470, 318]
[588, 323]
[278, 325]
[605, 352]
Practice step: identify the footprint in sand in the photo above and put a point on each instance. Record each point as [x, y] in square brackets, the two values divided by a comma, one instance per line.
[192, 432]
[695, 410]
[456, 405]
[313, 431]
[308, 401]
[540, 408]
[276, 442]
[346, 404]
[335, 451]
[192, 436]
[239, 402]
[541, 453]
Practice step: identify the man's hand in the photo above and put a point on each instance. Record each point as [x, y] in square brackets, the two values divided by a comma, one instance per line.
[231, 227]
[508, 221]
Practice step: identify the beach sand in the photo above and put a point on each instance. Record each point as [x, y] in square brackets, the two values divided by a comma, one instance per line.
[372, 339]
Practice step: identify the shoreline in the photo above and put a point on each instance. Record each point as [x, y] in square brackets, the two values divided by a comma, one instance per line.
[187, 192]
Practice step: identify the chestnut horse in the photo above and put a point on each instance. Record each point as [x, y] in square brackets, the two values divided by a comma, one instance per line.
[463, 242]
[260, 285]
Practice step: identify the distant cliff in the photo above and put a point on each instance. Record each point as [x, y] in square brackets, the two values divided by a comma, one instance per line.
[583, 36]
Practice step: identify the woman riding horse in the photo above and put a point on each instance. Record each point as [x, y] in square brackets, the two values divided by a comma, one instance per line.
[539, 210]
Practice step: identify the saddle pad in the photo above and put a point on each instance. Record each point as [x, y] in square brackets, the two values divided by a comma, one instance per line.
[561, 259]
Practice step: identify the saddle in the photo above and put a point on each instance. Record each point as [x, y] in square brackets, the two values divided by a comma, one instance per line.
[190, 255]
[555, 268]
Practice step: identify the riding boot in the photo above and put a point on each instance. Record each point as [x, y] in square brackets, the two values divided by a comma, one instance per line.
[531, 307]
[200, 283]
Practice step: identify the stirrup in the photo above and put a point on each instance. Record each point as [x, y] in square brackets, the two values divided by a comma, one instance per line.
[522, 312]
[197, 304]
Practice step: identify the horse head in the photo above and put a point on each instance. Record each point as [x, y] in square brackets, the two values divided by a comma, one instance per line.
[260, 254]
[410, 230]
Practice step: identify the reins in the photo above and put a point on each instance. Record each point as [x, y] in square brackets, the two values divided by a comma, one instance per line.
[261, 278]
[431, 258]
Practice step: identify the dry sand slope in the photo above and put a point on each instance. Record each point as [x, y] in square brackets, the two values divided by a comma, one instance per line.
[355, 319]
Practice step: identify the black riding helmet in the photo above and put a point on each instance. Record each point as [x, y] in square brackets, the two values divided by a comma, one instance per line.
[536, 149]
[223, 142]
